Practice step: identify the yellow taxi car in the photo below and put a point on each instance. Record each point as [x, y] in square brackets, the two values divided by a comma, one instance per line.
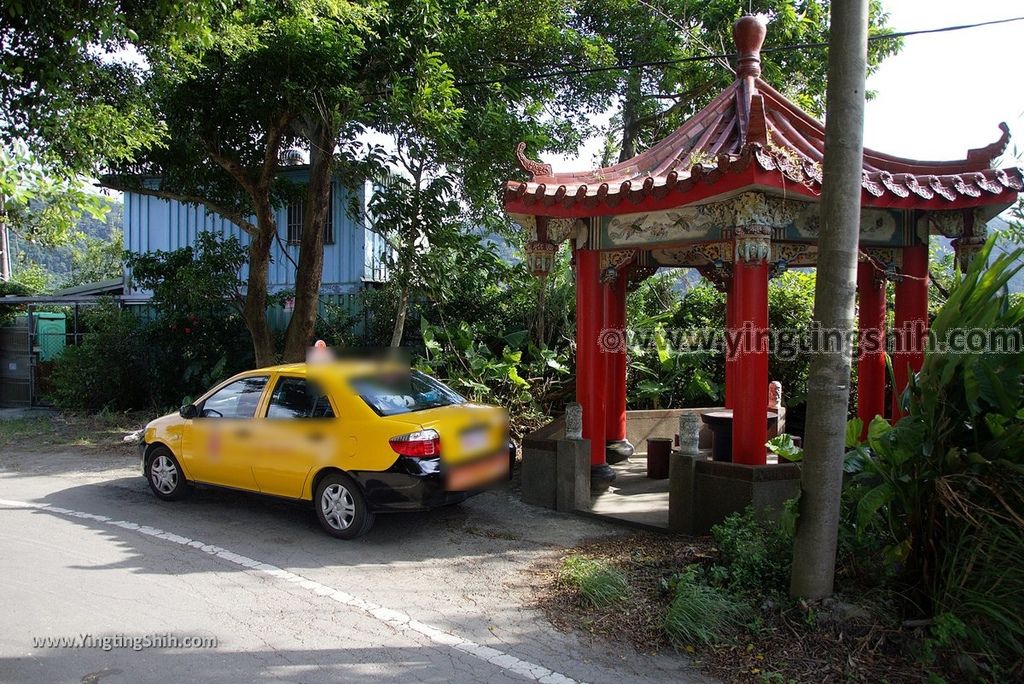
[355, 438]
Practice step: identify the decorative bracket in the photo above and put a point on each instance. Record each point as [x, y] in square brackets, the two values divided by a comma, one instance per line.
[643, 267]
[777, 268]
[886, 260]
[614, 263]
[753, 243]
[540, 257]
[718, 273]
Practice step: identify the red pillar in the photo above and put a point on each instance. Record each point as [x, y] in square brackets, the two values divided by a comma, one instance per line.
[614, 348]
[730, 359]
[911, 320]
[750, 397]
[871, 361]
[590, 380]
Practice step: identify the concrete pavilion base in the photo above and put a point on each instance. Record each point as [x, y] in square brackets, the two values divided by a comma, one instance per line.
[705, 492]
[699, 494]
[544, 473]
[556, 471]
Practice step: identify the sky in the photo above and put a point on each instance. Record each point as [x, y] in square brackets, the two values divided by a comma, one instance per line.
[942, 94]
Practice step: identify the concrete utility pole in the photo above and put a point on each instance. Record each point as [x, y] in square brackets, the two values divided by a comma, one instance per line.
[828, 395]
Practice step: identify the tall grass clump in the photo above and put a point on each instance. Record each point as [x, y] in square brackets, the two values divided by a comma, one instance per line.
[703, 614]
[597, 582]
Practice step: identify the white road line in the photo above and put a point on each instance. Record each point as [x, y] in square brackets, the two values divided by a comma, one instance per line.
[388, 616]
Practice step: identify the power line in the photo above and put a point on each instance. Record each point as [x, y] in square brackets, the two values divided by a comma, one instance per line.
[557, 73]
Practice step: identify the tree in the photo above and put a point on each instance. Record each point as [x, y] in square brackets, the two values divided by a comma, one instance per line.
[828, 396]
[70, 104]
[453, 118]
[69, 87]
[271, 77]
[654, 100]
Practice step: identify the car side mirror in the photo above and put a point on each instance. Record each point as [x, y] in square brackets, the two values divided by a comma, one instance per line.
[188, 411]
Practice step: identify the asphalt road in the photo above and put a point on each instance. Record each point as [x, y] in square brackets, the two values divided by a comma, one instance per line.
[87, 553]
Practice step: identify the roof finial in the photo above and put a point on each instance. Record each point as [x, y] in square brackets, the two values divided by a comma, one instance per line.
[748, 33]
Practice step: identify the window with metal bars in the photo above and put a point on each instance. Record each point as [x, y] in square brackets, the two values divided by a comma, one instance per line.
[297, 214]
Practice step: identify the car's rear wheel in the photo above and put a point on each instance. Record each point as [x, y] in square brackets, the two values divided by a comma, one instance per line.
[165, 476]
[341, 507]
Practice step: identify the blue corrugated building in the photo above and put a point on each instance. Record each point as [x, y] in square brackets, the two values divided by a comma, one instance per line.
[354, 257]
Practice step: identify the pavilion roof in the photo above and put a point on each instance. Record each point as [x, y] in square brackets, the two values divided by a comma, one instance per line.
[752, 135]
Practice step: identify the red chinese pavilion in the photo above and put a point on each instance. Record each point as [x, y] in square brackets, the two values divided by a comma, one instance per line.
[734, 192]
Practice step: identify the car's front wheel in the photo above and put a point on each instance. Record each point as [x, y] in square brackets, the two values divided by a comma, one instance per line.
[165, 476]
[341, 507]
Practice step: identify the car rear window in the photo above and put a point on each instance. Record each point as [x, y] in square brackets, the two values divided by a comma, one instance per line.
[390, 394]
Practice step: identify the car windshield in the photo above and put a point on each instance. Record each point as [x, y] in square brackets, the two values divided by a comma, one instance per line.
[393, 393]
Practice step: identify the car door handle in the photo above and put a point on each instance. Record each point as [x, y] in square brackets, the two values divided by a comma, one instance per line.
[316, 437]
[243, 433]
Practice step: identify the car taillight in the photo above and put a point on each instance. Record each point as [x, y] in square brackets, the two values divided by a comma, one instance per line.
[419, 444]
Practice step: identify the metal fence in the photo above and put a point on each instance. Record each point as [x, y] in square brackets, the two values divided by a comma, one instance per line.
[29, 347]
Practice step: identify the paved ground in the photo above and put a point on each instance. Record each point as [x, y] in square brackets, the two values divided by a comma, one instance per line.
[85, 549]
[634, 497]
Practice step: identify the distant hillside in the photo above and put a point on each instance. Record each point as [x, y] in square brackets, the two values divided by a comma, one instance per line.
[57, 261]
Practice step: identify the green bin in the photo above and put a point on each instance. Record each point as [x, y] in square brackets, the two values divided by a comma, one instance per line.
[51, 334]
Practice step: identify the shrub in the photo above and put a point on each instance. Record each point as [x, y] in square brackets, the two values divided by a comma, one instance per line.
[791, 307]
[598, 583]
[107, 370]
[703, 614]
[757, 555]
[196, 338]
[9, 311]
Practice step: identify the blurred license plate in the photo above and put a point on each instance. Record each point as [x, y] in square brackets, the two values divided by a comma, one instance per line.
[474, 441]
[478, 473]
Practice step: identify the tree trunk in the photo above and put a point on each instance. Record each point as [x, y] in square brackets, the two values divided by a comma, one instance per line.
[399, 329]
[254, 310]
[309, 271]
[408, 254]
[814, 550]
[630, 106]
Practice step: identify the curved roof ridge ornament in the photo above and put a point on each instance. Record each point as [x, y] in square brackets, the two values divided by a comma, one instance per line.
[990, 153]
[530, 166]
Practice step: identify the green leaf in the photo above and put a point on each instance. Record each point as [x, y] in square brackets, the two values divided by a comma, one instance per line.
[513, 375]
[854, 427]
[878, 433]
[856, 459]
[783, 446]
[898, 553]
[512, 356]
[554, 363]
[871, 502]
[515, 340]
